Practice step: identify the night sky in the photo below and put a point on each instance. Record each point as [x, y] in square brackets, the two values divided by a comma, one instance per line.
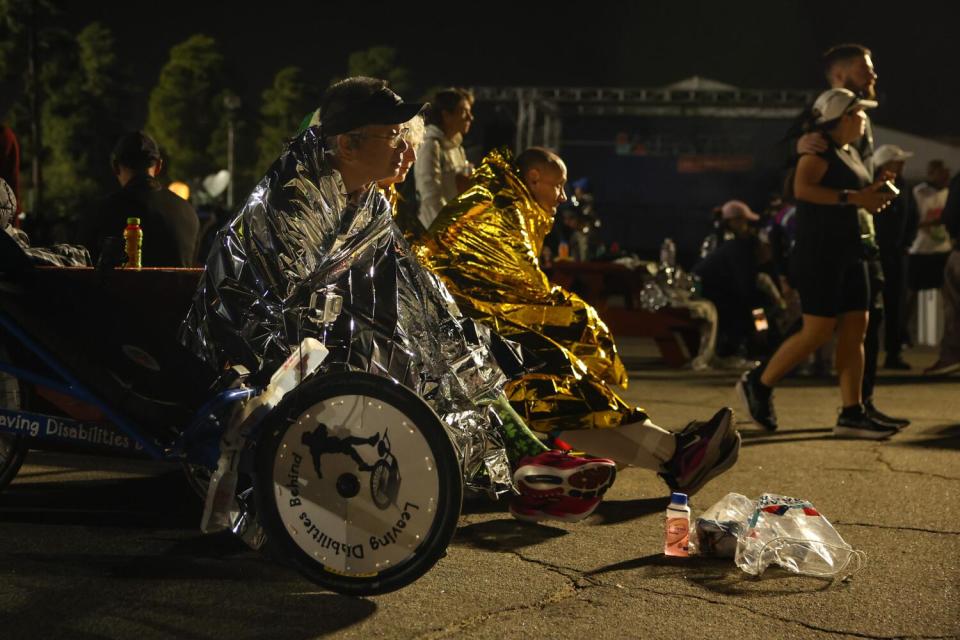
[771, 44]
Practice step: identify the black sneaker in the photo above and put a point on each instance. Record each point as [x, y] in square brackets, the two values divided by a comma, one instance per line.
[704, 451]
[758, 400]
[897, 363]
[861, 425]
[882, 418]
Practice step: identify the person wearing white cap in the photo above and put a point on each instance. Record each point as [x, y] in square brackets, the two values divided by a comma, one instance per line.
[828, 268]
[893, 240]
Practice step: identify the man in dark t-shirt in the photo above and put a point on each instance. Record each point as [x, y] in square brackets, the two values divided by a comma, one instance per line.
[170, 224]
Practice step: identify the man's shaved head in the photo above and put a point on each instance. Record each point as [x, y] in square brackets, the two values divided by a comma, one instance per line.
[545, 175]
[537, 157]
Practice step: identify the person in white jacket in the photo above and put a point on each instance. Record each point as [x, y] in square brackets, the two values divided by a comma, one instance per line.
[442, 168]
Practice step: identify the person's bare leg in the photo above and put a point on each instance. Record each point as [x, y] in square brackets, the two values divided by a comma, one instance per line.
[816, 330]
[851, 329]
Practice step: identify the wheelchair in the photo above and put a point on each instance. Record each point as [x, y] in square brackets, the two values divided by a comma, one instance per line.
[347, 476]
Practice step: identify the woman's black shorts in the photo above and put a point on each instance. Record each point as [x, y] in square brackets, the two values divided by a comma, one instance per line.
[828, 288]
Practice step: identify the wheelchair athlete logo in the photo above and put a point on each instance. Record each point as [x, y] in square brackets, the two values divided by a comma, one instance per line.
[384, 473]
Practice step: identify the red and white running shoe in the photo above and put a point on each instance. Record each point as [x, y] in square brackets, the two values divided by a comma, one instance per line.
[555, 474]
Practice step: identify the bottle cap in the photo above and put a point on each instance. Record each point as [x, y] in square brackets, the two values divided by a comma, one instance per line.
[678, 498]
[133, 220]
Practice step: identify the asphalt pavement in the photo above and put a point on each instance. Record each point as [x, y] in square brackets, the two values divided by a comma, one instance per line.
[108, 548]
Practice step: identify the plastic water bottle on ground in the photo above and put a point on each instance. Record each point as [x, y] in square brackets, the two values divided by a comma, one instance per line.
[677, 539]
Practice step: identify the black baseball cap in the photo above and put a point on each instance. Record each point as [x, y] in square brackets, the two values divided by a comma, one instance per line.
[135, 150]
[357, 102]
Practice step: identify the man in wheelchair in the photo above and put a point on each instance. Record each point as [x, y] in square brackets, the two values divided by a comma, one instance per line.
[317, 227]
[485, 246]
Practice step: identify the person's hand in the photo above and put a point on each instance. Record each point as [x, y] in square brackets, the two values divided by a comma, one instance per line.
[871, 198]
[887, 175]
[811, 143]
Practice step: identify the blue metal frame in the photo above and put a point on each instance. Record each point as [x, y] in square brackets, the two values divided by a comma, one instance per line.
[71, 386]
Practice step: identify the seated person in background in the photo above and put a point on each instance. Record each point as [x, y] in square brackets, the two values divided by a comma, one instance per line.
[733, 282]
[729, 221]
[577, 226]
[58, 255]
[485, 246]
[570, 239]
[170, 225]
[316, 223]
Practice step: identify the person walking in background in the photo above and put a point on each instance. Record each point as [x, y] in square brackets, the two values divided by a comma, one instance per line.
[170, 224]
[828, 267]
[949, 360]
[442, 170]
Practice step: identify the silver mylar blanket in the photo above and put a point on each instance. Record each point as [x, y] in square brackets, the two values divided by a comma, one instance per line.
[299, 238]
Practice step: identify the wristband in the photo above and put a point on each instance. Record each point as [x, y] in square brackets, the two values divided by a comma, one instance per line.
[844, 196]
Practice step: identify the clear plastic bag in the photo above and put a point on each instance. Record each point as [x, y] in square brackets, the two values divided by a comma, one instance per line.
[791, 533]
[780, 530]
[719, 528]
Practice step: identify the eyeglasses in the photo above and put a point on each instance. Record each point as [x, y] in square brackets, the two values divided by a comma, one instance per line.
[393, 139]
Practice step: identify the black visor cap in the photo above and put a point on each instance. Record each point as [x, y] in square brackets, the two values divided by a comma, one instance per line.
[381, 107]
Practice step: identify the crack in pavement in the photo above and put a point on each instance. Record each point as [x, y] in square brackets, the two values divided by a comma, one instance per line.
[570, 590]
[577, 578]
[578, 582]
[766, 614]
[896, 528]
[892, 469]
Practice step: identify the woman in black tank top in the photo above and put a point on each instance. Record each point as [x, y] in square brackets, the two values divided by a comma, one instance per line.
[827, 265]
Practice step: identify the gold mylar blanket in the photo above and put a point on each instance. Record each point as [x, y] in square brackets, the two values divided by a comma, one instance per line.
[485, 245]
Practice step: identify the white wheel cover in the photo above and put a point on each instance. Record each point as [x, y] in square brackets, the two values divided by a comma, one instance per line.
[351, 535]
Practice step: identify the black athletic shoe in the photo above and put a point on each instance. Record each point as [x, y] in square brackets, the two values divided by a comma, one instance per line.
[861, 425]
[758, 400]
[704, 451]
[882, 418]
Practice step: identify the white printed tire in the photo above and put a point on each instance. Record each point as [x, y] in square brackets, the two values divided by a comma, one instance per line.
[324, 518]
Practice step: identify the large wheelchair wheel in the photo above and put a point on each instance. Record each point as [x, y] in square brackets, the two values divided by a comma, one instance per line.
[357, 483]
[13, 449]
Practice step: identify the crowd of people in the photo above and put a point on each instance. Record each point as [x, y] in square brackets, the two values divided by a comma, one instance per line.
[465, 246]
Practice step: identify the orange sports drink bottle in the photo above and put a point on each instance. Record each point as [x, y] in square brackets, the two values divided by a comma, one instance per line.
[133, 235]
